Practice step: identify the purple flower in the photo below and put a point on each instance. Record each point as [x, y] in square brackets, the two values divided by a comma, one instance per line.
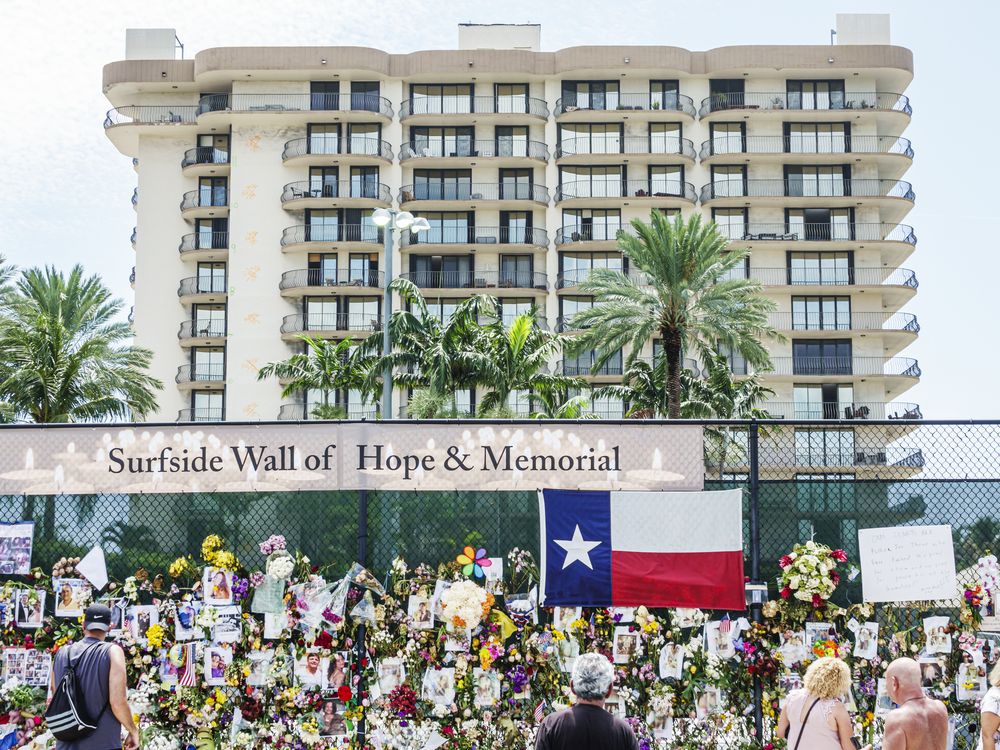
[256, 578]
[240, 588]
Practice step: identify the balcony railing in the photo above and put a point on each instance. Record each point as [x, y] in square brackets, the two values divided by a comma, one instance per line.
[301, 412]
[819, 232]
[651, 102]
[214, 197]
[849, 410]
[335, 189]
[808, 188]
[855, 321]
[468, 148]
[876, 276]
[135, 197]
[201, 285]
[865, 366]
[131, 315]
[862, 100]
[201, 372]
[477, 279]
[295, 103]
[577, 276]
[590, 233]
[615, 144]
[202, 329]
[151, 115]
[323, 277]
[204, 155]
[204, 241]
[474, 105]
[613, 368]
[334, 145]
[201, 414]
[476, 191]
[331, 233]
[131, 277]
[315, 321]
[134, 236]
[816, 143]
[626, 189]
[476, 235]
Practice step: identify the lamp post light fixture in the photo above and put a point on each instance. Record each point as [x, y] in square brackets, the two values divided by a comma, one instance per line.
[389, 220]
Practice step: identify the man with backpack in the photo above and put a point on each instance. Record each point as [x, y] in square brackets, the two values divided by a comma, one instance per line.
[88, 707]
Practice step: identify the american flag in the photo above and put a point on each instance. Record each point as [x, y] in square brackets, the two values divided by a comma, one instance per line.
[188, 677]
[725, 626]
[539, 711]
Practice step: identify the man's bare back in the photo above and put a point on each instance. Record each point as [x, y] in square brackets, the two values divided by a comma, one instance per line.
[918, 724]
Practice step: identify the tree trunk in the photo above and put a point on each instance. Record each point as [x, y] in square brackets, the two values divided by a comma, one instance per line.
[672, 351]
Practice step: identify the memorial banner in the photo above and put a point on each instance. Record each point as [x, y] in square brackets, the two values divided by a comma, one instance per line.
[268, 457]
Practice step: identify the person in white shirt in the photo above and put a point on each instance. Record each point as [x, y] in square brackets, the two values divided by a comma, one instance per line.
[989, 714]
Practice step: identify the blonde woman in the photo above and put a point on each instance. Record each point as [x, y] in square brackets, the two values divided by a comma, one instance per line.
[815, 718]
[989, 714]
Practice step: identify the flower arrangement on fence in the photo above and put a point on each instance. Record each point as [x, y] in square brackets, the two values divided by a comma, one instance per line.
[294, 656]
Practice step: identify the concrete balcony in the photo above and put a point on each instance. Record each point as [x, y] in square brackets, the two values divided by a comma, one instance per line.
[328, 149]
[207, 246]
[321, 281]
[459, 196]
[306, 194]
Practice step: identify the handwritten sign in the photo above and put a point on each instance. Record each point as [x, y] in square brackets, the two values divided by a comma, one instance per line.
[907, 563]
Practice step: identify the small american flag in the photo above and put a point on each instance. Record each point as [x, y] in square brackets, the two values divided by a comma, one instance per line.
[539, 711]
[188, 677]
[725, 626]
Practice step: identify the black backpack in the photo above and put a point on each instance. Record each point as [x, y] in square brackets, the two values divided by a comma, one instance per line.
[67, 716]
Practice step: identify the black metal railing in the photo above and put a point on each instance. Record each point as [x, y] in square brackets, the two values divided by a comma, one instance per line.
[846, 410]
[202, 329]
[860, 100]
[324, 277]
[651, 102]
[208, 198]
[625, 189]
[474, 279]
[131, 277]
[577, 276]
[260, 103]
[339, 321]
[204, 241]
[820, 232]
[131, 315]
[475, 191]
[866, 366]
[301, 411]
[204, 155]
[141, 114]
[306, 189]
[201, 372]
[854, 321]
[202, 414]
[134, 236]
[328, 144]
[590, 233]
[806, 143]
[476, 235]
[474, 105]
[469, 148]
[201, 285]
[135, 197]
[823, 187]
[368, 233]
[817, 276]
[616, 144]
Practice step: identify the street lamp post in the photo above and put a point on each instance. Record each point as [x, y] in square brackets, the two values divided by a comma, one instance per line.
[390, 220]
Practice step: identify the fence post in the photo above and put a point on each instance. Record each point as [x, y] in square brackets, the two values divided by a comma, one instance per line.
[755, 604]
[360, 648]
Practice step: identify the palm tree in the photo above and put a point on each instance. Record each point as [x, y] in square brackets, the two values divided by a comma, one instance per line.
[125, 535]
[555, 402]
[65, 358]
[691, 302]
[327, 367]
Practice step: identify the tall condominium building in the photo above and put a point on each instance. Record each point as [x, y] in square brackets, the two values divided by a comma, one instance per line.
[259, 169]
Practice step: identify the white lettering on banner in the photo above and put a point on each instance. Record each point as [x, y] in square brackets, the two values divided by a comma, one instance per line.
[477, 455]
[907, 563]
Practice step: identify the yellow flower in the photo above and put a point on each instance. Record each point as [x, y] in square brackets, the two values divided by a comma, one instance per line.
[693, 669]
[225, 560]
[154, 636]
[178, 567]
[211, 545]
[557, 635]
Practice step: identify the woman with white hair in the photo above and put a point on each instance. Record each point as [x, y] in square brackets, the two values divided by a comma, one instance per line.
[587, 725]
[815, 718]
[989, 714]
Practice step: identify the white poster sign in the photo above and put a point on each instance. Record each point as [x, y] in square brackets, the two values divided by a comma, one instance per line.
[907, 563]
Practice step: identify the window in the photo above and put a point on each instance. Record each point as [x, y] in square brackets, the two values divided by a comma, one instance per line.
[826, 401]
[515, 184]
[664, 94]
[570, 306]
[442, 184]
[574, 268]
[208, 363]
[515, 227]
[817, 137]
[323, 182]
[592, 182]
[732, 222]
[365, 138]
[211, 234]
[211, 277]
[737, 362]
[322, 269]
[510, 98]
[442, 141]
[729, 181]
[815, 94]
[519, 402]
[511, 140]
[592, 223]
[817, 181]
[824, 447]
[820, 223]
[321, 314]
[821, 313]
[323, 225]
[827, 494]
[443, 308]
[589, 95]
[821, 268]
[512, 307]
[442, 271]
[365, 96]
[607, 407]
[582, 364]
[363, 269]
[208, 320]
[364, 182]
[726, 93]
[666, 180]
[516, 271]
[324, 95]
[447, 228]
[829, 357]
[437, 99]
[324, 139]
[665, 137]
[362, 313]
[587, 138]
[207, 406]
[212, 149]
[728, 137]
[212, 191]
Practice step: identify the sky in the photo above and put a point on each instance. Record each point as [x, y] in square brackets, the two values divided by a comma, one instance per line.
[65, 190]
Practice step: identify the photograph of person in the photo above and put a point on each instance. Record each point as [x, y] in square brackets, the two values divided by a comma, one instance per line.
[310, 669]
[260, 667]
[438, 685]
[787, 683]
[563, 616]
[487, 686]
[707, 702]
[336, 675]
[117, 607]
[228, 624]
[30, 606]
[217, 586]
[391, 674]
[686, 618]
[937, 636]
[793, 647]
[662, 726]
[817, 631]
[72, 595]
[626, 644]
[719, 639]
[440, 587]
[184, 621]
[168, 670]
[419, 610]
[141, 618]
[671, 661]
[866, 646]
[217, 658]
[330, 719]
[931, 671]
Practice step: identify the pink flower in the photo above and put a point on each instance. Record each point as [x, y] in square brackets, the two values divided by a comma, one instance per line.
[835, 577]
[817, 600]
[839, 555]
[785, 561]
[786, 592]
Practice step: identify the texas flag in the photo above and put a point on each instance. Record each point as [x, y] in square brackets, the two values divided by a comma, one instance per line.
[623, 549]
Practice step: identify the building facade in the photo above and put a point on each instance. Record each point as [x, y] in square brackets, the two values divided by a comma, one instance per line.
[258, 170]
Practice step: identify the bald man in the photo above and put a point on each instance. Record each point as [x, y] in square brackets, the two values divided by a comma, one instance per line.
[920, 723]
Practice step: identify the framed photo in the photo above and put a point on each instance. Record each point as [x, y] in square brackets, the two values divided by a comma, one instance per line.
[626, 644]
[933, 673]
[793, 647]
[141, 618]
[118, 606]
[260, 667]
[494, 576]
[15, 548]
[937, 635]
[438, 686]
[440, 587]
[338, 671]
[72, 596]
[311, 669]
[37, 668]
[330, 719]
[707, 702]
[217, 658]
[169, 672]
[274, 624]
[866, 644]
[487, 687]
[391, 674]
[217, 586]
[418, 607]
[818, 631]
[30, 608]
[719, 638]
[671, 661]
[228, 624]
[563, 616]
[185, 627]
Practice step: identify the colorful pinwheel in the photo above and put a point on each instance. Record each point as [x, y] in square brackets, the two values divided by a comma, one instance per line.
[473, 561]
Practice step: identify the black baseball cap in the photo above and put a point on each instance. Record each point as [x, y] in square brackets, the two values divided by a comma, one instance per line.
[97, 617]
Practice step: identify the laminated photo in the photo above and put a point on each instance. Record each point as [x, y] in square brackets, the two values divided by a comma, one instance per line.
[626, 644]
[330, 718]
[866, 643]
[37, 668]
[719, 638]
[228, 624]
[118, 607]
[686, 618]
[260, 667]
[30, 608]
[494, 576]
[970, 679]
[141, 618]
[419, 610]
[793, 647]
[440, 586]
[933, 674]
[562, 617]
[938, 639]
[185, 621]
[169, 671]
[217, 658]
[787, 683]
[274, 624]
[458, 639]
[15, 548]
[671, 661]
[819, 631]
[217, 585]
[391, 674]
[883, 703]
[311, 669]
[487, 687]
[438, 685]
[661, 725]
[707, 702]
[337, 672]
[72, 596]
